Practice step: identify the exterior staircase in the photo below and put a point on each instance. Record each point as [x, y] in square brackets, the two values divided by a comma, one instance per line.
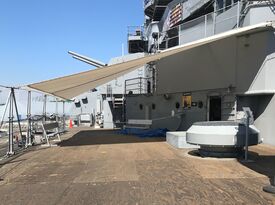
[118, 102]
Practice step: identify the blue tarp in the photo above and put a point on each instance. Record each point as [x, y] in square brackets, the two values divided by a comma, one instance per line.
[144, 132]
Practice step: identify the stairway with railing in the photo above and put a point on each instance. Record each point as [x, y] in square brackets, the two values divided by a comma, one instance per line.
[138, 85]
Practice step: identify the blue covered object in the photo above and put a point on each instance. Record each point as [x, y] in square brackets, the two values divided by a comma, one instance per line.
[144, 132]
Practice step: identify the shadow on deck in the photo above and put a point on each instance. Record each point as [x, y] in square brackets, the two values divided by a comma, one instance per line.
[262, 164]
[101, 137]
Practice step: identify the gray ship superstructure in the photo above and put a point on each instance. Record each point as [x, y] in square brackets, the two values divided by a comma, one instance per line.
[226, 64]
[212, 82]
[104, 105]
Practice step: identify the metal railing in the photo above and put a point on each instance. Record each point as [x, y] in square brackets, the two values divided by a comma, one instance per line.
[109, 92]
[138, 85]
[135, 31]
[17, 129]
[204, 26]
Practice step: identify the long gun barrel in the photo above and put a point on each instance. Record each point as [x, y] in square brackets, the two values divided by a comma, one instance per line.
[88, 62]
[86, 59]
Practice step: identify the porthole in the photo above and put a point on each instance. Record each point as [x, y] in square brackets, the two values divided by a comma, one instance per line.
[153, 106]
[140, 106]
[85, 100]
[77, 104]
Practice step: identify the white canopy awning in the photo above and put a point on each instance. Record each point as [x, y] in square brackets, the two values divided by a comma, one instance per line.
[70, 86]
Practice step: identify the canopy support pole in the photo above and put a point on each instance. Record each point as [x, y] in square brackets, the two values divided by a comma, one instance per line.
[63, 119]
[17, 115]
[10, 148]
[29, 129]
[56, 110]
[45, 109]
[12, 104]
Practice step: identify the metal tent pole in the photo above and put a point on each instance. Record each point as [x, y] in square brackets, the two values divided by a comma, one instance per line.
[64, 116]
[29, 129]
[56, 117]
[44, 119]
[56, 109]
[17, 114]
[44, 109]
[10, 148]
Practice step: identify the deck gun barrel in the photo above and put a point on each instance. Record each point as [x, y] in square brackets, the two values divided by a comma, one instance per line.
[86, 59]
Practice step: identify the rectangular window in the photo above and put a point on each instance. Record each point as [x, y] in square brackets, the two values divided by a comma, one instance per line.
[187, 101]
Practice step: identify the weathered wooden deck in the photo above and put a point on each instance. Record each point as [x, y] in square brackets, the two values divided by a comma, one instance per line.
[101, 167]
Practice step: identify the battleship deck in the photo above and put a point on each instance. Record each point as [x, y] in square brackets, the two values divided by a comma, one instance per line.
[102, 167]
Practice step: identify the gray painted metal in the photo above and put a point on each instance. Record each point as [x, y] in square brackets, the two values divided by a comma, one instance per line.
[178, 140]
[231, 62]
[223, 135]
[264, 81]
[227, 68]
[141, 107]
[108, 116]
[118, 84]
[266, 120]
[183, 118]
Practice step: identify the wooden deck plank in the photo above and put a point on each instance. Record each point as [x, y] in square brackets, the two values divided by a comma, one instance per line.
[102, 167]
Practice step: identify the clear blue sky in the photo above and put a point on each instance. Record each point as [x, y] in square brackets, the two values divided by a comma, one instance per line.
[35, 35]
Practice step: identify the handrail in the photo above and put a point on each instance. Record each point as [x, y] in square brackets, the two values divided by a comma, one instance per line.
[163, 36]
[140, 84]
